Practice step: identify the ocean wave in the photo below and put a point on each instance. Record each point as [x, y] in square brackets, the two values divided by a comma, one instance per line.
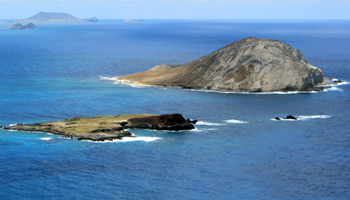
[340, 83]
[202, 123]
[46, 138]
[314, 117]
[333, 89]
[234, 121]
[258, 93]
[196, 129]
[304, 118]
[205, 129]
[125, 82]
[108, 78]
[133, 139]
[343, 83]
[137, 86]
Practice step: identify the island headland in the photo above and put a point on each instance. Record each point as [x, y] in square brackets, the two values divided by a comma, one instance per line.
[49, 17]
[107, 128]
[248, 65]
[20, 26]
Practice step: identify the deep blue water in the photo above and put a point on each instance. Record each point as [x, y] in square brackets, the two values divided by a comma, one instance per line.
[52, 73]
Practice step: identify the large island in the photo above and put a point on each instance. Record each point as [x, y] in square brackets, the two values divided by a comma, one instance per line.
[49, 17]
[248, 65]
[102, 128]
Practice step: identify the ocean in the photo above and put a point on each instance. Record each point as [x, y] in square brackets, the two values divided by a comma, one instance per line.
[237, 150]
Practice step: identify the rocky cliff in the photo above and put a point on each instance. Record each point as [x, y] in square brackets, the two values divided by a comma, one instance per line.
[163, 122]
[248, 65]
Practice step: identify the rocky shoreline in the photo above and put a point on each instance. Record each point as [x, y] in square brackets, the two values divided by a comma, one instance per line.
[106, 128]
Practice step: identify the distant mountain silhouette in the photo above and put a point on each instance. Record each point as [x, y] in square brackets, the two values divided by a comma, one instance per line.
[55, 17]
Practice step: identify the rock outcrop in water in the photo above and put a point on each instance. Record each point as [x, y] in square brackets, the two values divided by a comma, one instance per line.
[248, 65]
[20, 26]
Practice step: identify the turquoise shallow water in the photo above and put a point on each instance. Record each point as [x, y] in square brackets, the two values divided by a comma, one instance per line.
[236, 151]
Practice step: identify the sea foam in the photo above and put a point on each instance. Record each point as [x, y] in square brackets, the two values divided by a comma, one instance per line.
[314, 117]
[132, 139]
[333, 89]
[234, 121]
[46, 138]
[202, 123]
[108, 78]
[258, 93]
[301, 117]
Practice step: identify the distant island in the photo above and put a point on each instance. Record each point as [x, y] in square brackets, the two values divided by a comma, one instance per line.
[132, 20]
[248, 65]
[107, 128]
[50, 17]
[25, 26]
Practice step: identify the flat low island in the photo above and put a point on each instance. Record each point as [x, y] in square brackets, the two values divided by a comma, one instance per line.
[106, 128]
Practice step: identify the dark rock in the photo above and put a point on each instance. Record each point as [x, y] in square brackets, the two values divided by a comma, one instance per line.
[123, 123]
[337, 81]
[192, 121]
[291, 117]
[162, 122]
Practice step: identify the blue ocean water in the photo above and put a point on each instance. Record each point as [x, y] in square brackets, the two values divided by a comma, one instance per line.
[236, 151]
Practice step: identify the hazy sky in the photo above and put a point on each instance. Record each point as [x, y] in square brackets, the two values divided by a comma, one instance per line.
[181, 9]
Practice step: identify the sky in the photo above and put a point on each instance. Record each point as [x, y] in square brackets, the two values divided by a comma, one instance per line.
[181, 9]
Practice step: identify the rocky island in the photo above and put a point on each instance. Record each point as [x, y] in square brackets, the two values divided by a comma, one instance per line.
[25, 26]
[132, 20]
[104, 128]
[248, 65]
[48, 17]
